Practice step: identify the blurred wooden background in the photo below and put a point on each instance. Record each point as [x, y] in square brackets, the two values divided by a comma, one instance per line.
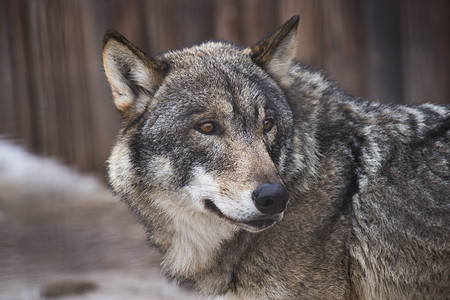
[55, 100]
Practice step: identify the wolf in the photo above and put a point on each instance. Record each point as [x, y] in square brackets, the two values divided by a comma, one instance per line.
[259, 178]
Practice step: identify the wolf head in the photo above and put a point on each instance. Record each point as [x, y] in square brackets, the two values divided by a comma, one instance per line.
[206, 130]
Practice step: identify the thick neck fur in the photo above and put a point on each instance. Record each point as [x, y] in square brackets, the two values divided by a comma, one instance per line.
[199, 250]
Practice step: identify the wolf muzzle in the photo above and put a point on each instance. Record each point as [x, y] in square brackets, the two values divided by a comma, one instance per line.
[270, 198]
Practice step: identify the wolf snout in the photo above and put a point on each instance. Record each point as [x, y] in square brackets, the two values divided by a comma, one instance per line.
[270, 198]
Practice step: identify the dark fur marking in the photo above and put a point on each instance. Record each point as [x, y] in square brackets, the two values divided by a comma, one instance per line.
[344, 205]
[413, 124]
[355, 146]
[135, 88]
[429, 137]
[137, 145]
[352, 187]
[436, 132]
[354, 169]
[138, 120]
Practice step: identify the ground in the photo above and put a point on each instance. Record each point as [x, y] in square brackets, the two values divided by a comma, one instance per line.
[64, 236]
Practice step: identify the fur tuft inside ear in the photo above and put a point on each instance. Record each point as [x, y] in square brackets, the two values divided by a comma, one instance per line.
[276, 52]
[130, 73]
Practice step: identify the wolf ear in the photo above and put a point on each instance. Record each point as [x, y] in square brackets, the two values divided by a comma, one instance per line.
[276, 52]
[130, 73]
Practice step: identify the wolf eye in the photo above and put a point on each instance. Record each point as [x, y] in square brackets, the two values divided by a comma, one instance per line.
[268, 124]
[206, 128]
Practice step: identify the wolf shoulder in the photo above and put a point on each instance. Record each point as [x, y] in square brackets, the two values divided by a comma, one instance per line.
[401, 153]
[412, 140]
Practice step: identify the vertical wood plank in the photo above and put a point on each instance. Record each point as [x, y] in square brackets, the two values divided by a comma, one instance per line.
[198, 22]
[344, 45]
[226, 23]
[310, 31]
[426, 45]
[383, 51]
[8, 111]
[258, 18]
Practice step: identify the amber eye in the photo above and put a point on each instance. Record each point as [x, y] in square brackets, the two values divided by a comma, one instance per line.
[268, 124]
[206, 128]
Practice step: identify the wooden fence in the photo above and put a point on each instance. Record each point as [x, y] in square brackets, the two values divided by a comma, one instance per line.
[55, 100]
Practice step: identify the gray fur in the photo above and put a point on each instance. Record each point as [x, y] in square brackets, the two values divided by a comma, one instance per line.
[369, 184]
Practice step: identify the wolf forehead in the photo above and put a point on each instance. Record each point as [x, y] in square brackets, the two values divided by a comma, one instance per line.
[218, 73]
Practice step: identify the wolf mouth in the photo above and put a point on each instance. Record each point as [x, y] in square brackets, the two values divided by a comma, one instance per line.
[257, 224]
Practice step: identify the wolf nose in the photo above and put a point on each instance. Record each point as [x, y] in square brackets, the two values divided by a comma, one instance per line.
[270, 198]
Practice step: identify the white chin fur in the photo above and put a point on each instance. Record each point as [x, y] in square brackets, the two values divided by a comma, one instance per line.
[235, 205]
[199, 232]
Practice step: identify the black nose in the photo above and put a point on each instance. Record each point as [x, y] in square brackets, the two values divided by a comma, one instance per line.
[270, 198]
